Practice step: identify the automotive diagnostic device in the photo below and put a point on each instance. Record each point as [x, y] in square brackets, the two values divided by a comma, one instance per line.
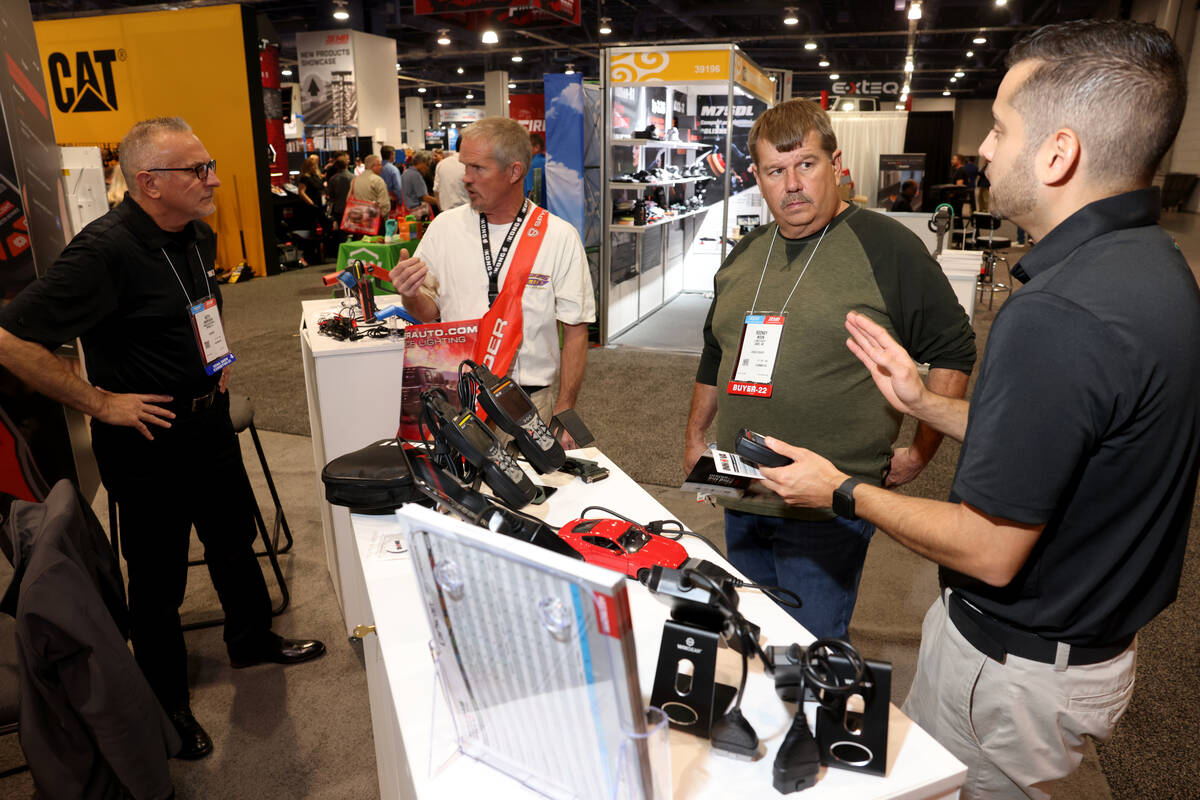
[507, 404]
[470, 437]
[753, 448]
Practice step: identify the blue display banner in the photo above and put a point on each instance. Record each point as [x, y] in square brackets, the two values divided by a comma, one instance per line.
[564, 148]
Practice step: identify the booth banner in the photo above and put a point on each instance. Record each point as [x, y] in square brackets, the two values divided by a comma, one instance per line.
[460, 115]
[752, 78]
[711, 113]
[268, 64]
[32, 207]
[656, 106]
[327, 79]
[675, 66]
[628, 110]
[564, 148]
[529, 110]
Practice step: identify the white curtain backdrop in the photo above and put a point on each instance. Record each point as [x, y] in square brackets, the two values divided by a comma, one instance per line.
[863, 136]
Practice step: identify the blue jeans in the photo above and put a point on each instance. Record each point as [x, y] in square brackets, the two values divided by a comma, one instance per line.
[820, 561]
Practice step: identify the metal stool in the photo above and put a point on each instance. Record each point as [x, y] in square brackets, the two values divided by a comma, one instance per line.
[991, 246]
[241, 413]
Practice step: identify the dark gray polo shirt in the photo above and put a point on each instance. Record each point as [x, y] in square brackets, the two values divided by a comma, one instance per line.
[1086, 417]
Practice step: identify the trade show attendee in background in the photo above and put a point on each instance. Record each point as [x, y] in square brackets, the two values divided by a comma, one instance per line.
[908, 190]
[535, 179]
[412, 181]
[820, 258]
[370, 187]
[448, 276]
[983, 191]
[311, 189]
[338, 183]
[1068, 518]
[359, 167]
[160, 413]
[448, 185]
[958, 173]
[391, 175]
[116, 186]
[972, 169]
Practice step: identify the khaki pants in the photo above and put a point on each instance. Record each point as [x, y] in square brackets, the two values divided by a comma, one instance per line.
[1019, 725]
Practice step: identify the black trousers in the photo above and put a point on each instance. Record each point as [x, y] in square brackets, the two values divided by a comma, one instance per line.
[190, 475]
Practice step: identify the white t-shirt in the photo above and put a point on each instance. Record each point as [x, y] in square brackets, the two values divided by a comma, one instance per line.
[448, 183]
[559, 286]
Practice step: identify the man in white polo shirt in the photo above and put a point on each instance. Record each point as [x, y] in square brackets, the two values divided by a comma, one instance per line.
[462, 269]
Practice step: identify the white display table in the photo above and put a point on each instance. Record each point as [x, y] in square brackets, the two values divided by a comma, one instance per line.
[353, 399]
[403, 690]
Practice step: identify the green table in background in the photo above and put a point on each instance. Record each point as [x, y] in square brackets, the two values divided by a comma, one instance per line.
[382, 255]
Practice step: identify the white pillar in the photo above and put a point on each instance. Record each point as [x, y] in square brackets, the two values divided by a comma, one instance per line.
[414, 122]
[495, 93]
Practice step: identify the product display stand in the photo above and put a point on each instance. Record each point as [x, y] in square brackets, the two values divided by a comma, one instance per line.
[652, 154]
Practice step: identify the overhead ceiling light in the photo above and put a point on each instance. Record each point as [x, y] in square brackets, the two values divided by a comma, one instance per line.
[946, 93]
[833, 76]
[824, 62]
[517, 59]
[286, 72]
[980, 39]
[789, 16]
[900, 107]
[443, 36]
[421, 90]
[398, 67]
[470, 96]
[904, 89]
[570, 69]
[460, 70]
[1001, 3]
[970, 54]
[339, 11]
[489, 37]
[772, 78]
[810, 45]
[958, 73]
[904, 97]
[605, 26]
[512, 86]
[914, 11]
[848, 106]
[437, 105]
[953, 80]
[908, 65]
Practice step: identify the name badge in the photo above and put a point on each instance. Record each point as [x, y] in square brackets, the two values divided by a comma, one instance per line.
[210, 335]
[761, 334]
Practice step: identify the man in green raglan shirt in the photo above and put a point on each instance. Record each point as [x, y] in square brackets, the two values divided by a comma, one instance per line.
[775, 359]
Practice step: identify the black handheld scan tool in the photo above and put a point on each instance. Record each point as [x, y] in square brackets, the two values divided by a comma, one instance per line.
[753, 448]
[507, 404]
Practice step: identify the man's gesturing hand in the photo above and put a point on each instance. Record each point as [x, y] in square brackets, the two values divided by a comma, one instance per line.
[135, 410]
[408, 274]
[894, 371]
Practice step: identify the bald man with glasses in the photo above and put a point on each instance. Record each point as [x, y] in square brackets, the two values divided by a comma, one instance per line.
[137, 286]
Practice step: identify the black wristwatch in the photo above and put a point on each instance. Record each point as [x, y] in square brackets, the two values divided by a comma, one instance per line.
[843, 499]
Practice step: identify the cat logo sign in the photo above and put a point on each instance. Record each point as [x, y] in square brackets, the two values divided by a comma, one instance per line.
[85, 86]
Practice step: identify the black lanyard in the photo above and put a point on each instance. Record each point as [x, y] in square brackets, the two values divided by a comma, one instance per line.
[493, 270]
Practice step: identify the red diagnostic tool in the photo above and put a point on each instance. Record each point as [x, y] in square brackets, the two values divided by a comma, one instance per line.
[622, 546]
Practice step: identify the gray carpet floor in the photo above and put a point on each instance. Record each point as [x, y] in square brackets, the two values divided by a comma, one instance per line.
[304, 732]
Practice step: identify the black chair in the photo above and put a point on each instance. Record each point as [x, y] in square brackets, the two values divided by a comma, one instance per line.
[241, 413]
[992, 257]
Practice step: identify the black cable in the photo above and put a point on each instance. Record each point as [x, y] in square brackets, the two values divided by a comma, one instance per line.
[608, 511]
[820, 675]
[791, 601]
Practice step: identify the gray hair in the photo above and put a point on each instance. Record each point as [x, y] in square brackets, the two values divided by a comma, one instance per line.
[138, 149]
[422, 157]
[371, 160]
[508, 138]
[1119, 85]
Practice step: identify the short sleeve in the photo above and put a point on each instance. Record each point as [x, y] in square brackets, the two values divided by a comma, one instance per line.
[574, 298]
[1052, 383]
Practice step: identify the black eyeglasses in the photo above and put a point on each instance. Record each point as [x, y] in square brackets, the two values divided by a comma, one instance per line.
[200, 170]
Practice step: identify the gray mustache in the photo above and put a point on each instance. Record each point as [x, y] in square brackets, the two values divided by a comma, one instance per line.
[796, 196]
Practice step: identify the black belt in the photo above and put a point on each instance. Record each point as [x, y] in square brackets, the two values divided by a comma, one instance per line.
[182, 408]
[529, 390]
[996, 639]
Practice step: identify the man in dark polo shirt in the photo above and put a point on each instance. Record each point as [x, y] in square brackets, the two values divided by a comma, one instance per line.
[1067, 523]
[819, 259]
[133, 286]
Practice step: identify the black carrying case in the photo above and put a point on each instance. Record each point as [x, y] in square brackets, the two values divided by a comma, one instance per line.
[373, 480]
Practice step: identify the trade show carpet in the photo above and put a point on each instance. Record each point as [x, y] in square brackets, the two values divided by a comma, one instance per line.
[305, 731]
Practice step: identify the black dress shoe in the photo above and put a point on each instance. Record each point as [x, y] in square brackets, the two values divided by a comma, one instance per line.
[196, 743]
[277, 650]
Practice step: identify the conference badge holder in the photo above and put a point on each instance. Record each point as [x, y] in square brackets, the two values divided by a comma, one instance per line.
[210, 335]
[757, 352]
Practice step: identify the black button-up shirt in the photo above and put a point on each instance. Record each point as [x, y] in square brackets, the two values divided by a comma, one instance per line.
[1086, 417]
[114, 287]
